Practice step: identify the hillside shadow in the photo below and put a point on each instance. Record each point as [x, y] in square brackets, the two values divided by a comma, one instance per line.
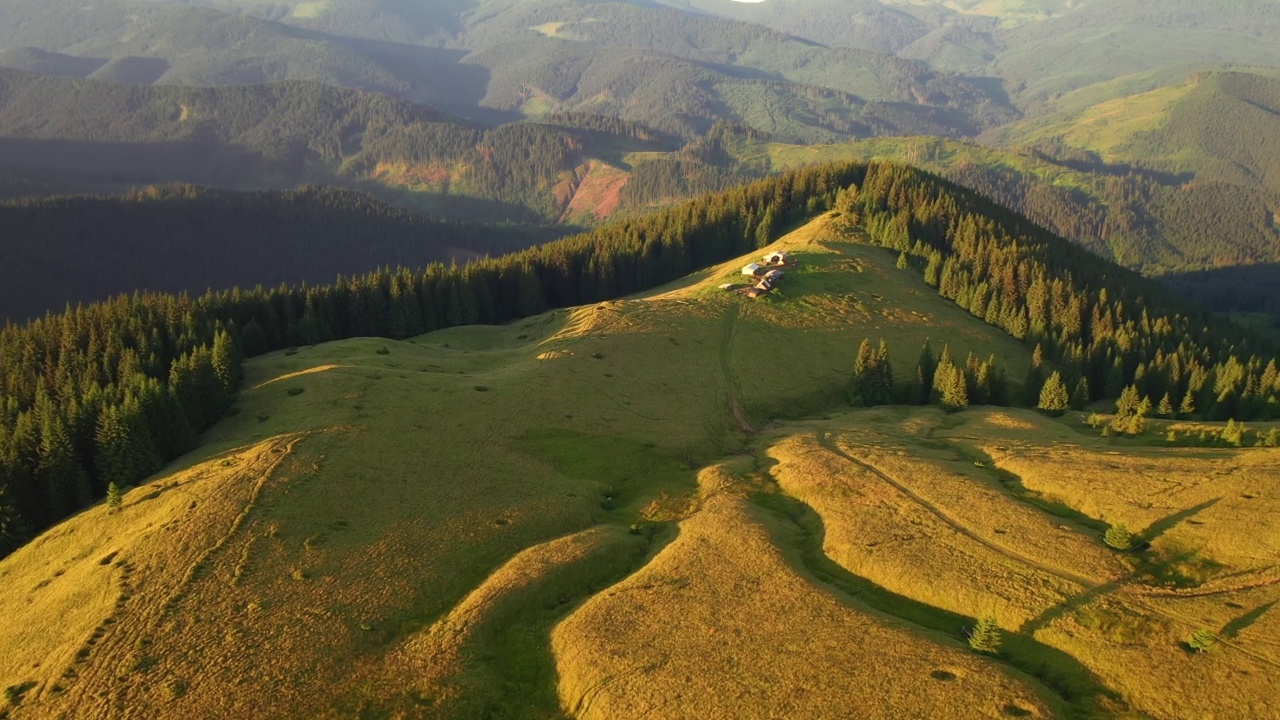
[438, 77]
[1071, 605]
[1164, 525]
[1239, 288]
[191, 161]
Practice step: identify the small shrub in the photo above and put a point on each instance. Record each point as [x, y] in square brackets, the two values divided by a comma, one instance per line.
[264, 417]
[985, 636]
[383, 350]
[15, 693]
[597, 355]
[234, 411]
[291, 351]
[294, 392]
[482, 388]
[1118, 537]
[1201, 640]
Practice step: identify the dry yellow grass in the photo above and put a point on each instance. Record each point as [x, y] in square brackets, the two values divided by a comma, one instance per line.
[1209, 500]
[1206, 506]
[1136, 646]
[719, 624]
[117, 579]
[915, 529]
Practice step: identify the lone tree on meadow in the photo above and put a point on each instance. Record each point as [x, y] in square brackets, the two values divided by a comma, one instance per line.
[1054, 398]
[115, 498]
[985, 636]
[1119, 537]
[1201, 640]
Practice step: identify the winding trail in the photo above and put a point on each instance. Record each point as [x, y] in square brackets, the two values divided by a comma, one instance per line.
[829, 444]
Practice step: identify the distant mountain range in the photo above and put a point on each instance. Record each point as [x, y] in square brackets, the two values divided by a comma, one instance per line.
[1130, 126]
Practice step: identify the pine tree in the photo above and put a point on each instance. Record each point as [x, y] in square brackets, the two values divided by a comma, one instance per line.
[13, 531]
[115, 498]
[1119, 537]
[952, 387]
[58, 471]
[1054, 399]
[1035, 378]
[925, 369]
[1233, 433]
[1165, 408]
[985, 636]
[1188, 406]
[1080, 395]
[883, 378]
[1201, 640]
[859, 385]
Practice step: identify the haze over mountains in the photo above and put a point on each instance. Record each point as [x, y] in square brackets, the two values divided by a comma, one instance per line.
[1123, 100]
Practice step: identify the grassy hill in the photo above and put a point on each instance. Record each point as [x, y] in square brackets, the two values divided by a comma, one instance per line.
[557, 516]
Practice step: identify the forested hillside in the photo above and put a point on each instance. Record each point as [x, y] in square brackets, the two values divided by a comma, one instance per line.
[176, 239]
[103, 394]
[459, 57]
[284, 134]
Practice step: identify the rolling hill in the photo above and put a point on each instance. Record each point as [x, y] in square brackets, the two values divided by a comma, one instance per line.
[570, 514]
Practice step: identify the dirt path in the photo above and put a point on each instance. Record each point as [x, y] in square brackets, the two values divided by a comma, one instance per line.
[828, 443]
[728, 328]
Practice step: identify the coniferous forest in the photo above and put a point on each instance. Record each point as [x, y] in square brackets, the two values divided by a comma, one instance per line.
[106, 393]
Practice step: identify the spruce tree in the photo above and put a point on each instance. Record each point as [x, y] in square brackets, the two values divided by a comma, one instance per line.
[952, 387]
[115, 498]
[1035, 378]
[1188, 406]
[863, 367]
[1201, 640]
[1080, 395]
[925, 369]
[1054, 399]
[883, 375]
[58, 471]
[13, 531]
[1165, 408]
[1118, 537]
[985, 636]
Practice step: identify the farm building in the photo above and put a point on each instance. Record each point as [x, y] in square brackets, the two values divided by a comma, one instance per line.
[755, 292]
[773, 275]
[752, 269]
[778, 257]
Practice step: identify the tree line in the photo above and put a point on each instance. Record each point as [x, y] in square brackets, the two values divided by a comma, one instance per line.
[1103, 327]
[105, 393]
